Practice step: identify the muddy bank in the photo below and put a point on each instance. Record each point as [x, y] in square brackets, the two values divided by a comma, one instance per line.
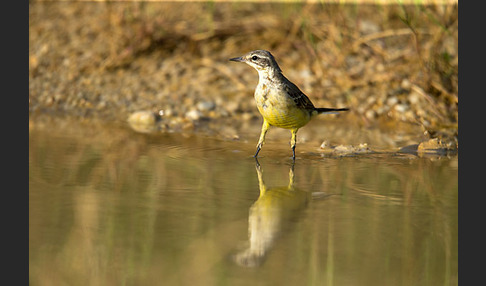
[392, 65]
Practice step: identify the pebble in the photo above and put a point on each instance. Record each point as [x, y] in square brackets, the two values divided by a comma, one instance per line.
[324, 145]
[193, 114]
[414, 98]
[205, 106]
[436, 146]
[401, 107]
[370, 114]
[406, 84]
[431, 145]
[142, 121]
[392, 101]
[343, 149]
[142, 118]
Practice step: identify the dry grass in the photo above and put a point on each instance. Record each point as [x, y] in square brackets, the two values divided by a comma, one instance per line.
[386, 62]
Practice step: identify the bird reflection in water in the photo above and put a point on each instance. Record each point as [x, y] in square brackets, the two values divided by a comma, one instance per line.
[269, 216]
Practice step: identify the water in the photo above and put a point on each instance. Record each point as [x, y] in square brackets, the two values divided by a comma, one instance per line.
[109, 206]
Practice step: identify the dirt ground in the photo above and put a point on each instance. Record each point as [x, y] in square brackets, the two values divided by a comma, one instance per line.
[166, 64]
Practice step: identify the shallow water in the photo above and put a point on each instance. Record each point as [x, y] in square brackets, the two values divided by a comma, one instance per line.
[109, 206]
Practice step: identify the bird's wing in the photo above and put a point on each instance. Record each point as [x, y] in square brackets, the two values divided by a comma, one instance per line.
[301, 100]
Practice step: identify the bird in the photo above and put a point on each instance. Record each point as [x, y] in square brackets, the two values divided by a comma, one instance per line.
[280, 102]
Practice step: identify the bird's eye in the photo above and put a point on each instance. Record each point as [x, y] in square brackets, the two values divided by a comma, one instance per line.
[254, 58]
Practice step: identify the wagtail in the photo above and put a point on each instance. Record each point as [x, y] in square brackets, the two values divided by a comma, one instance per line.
[280, 102]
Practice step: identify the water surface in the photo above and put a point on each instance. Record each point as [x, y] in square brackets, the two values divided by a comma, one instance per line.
[109, 206]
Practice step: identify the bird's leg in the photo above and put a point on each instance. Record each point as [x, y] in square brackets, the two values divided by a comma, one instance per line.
[293, 141]
[265, 127]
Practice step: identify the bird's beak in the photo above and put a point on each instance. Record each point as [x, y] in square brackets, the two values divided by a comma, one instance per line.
[238, 59]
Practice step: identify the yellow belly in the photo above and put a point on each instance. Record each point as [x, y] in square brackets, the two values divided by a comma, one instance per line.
[284, 116]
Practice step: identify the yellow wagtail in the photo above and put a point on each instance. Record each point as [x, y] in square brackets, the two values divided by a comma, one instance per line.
[280, 102]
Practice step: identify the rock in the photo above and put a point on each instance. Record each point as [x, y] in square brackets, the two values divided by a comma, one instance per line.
[343, 149]
[362, 148]
[193, 115]
[142, 117]
[370, 114]
[325, 145]
[429, 145]
[406, 84]
[205, 106]
[142, 121]
[392, 101]
[401, 108]
[436, 146]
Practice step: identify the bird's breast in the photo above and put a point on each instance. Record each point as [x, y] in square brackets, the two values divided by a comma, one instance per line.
[279, 109]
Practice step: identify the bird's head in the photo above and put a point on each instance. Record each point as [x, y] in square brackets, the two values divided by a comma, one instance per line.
[261, 60]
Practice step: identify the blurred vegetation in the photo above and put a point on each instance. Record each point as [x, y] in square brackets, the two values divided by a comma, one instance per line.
[388, 63]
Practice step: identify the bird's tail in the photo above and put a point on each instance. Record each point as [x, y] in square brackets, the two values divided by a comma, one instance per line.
[325, 110]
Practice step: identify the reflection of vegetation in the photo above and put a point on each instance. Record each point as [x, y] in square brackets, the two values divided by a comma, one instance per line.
[109, 206]
[101, 197]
